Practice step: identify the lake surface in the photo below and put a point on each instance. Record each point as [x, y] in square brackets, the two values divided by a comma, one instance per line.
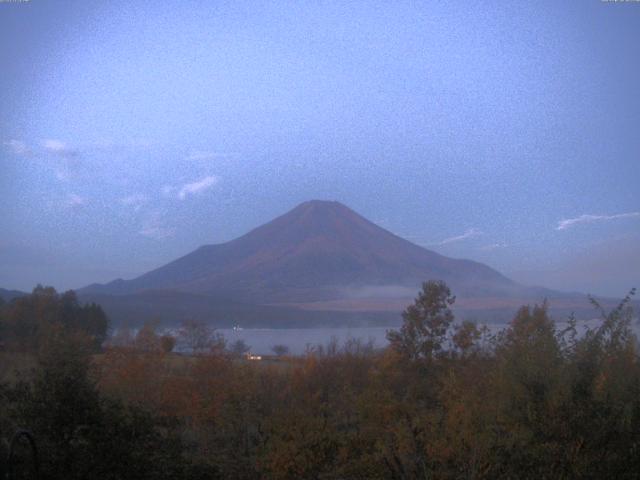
[298, 339]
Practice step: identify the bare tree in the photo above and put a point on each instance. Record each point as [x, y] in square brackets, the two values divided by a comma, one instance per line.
[197, 337]
[280, 350]
[239, 347]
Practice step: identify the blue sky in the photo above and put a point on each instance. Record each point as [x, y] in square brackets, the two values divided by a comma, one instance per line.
[506, 132]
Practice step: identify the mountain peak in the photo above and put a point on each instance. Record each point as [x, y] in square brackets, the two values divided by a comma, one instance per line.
[315, 218]
[316, 251]
[321, 203]
[318, 206]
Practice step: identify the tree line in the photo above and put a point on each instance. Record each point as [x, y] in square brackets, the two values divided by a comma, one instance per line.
[445, 399]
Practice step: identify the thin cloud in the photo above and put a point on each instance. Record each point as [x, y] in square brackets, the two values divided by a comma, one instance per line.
[571, 222]
[494, 246]
[198, 187]
[470, 233]
[136, 201]
[109, 145]
[63, 174]
[60, 149]
[153, 227]
[68, 159]
[75, 201]
[207, 155]
[18, 148]
[168, 190]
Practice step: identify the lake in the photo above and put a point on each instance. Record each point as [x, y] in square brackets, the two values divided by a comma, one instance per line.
[297, 339]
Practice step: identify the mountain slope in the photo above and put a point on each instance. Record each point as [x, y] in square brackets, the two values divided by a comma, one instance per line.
[317, 251]
[8, 295]
[320, 263]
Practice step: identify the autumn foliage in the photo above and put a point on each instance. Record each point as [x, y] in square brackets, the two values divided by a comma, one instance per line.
[445, 400]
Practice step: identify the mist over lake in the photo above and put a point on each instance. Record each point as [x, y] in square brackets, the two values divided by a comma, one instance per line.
[299, 340]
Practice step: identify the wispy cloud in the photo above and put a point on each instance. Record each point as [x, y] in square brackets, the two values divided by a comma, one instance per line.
[168, 190]
[18, 148]
[494, 246]
[60, 149]
[470, 233]
[197, 187]
[68, 163]
[63, 174]
[154, 227]
[135, 201]
[110, 145]
[571, 222]
[75, 201]
[208, 155]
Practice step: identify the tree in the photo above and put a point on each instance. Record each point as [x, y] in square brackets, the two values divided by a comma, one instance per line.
[123, 337]
[529, 385]
[239, 347]
[280, 350]
[60, 403]
[89, 318]
[425, 323]
[81, 434]
[603, 410]
[167, 343]
[197, 337]
[147, 339]
[29, 320]
[466, 337]
[2, 323]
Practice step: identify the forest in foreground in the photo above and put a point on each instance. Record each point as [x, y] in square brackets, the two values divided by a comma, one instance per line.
[444, 400]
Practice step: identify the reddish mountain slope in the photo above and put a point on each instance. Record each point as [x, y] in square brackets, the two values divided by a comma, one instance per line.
[318, 251]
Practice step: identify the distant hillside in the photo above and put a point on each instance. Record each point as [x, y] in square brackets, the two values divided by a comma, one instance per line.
[8, 295]
[319, 257]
